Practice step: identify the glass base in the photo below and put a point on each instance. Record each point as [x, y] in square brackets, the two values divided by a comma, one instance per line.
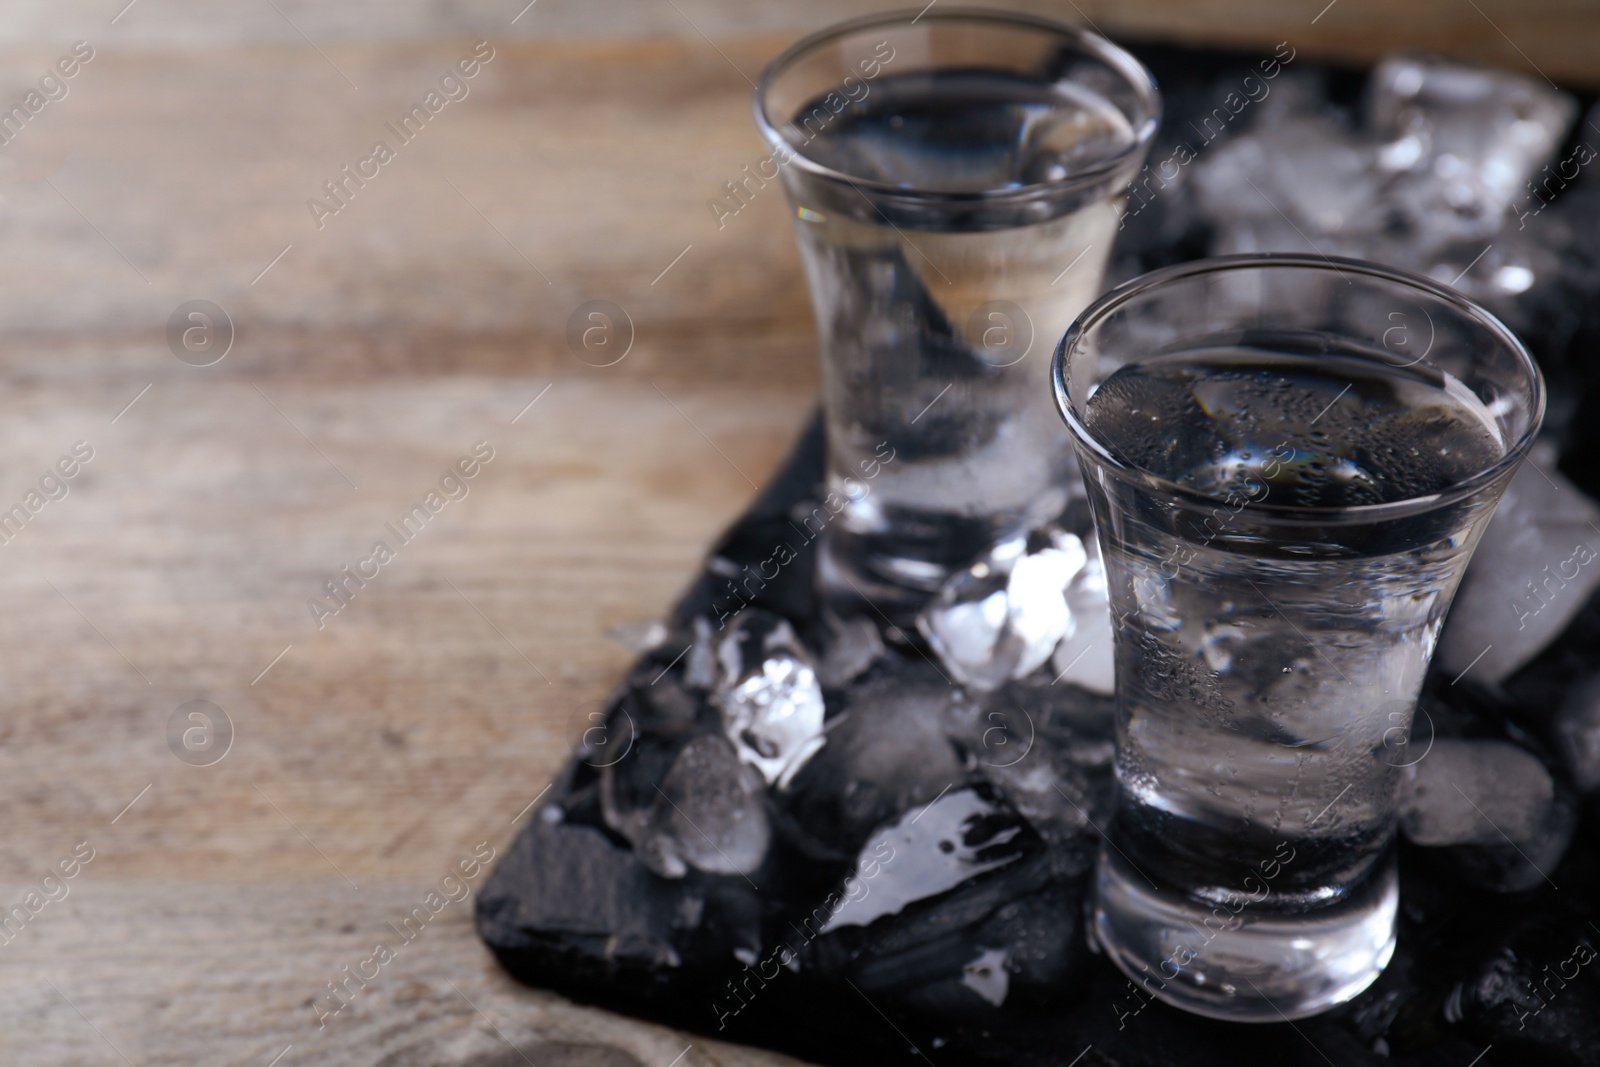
[1258, 966]
[888, 580]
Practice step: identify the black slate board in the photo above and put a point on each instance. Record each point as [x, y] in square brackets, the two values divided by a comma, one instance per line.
[571, 909]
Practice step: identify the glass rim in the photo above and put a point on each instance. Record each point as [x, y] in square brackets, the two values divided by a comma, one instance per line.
[1113, 300]
[1123, 62]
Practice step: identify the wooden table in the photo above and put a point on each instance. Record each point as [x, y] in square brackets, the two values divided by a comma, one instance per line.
[375, 751]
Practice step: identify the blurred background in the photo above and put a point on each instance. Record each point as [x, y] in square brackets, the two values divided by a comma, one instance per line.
[349, 355]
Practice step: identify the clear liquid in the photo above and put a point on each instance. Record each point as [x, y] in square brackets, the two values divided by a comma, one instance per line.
[970, 131]
[1323, 432]
[1267, 673]
[916, 363]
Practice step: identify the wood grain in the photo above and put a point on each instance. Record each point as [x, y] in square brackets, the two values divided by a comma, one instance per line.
[1556, 36]
[422, 318]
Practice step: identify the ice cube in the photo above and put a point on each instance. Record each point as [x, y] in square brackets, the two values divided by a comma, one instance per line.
[686, 805]
[1036, 593]
[631, 804]
[1001, 617]
[887, 751]
[639, 636]
[1577, 733]
[854, 647]
[1304, 180]
[1475, 793]
[1498, 274]
[1536, 566]
[771, 701]
[665, 706]
[1479, 133]
[713, 810]
[987, 975]
[1464, 143]
[700, 668]
[927, 851]
[1448, 156]
[1491, 810]
[1086, 656]
[964, 622]
[1049, 765]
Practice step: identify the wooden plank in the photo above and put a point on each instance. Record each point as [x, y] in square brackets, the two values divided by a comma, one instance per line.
[1553, 35]
[431, 711]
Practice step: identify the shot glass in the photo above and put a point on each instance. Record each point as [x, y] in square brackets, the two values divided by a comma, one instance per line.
[957, 178]
[1289, 460]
